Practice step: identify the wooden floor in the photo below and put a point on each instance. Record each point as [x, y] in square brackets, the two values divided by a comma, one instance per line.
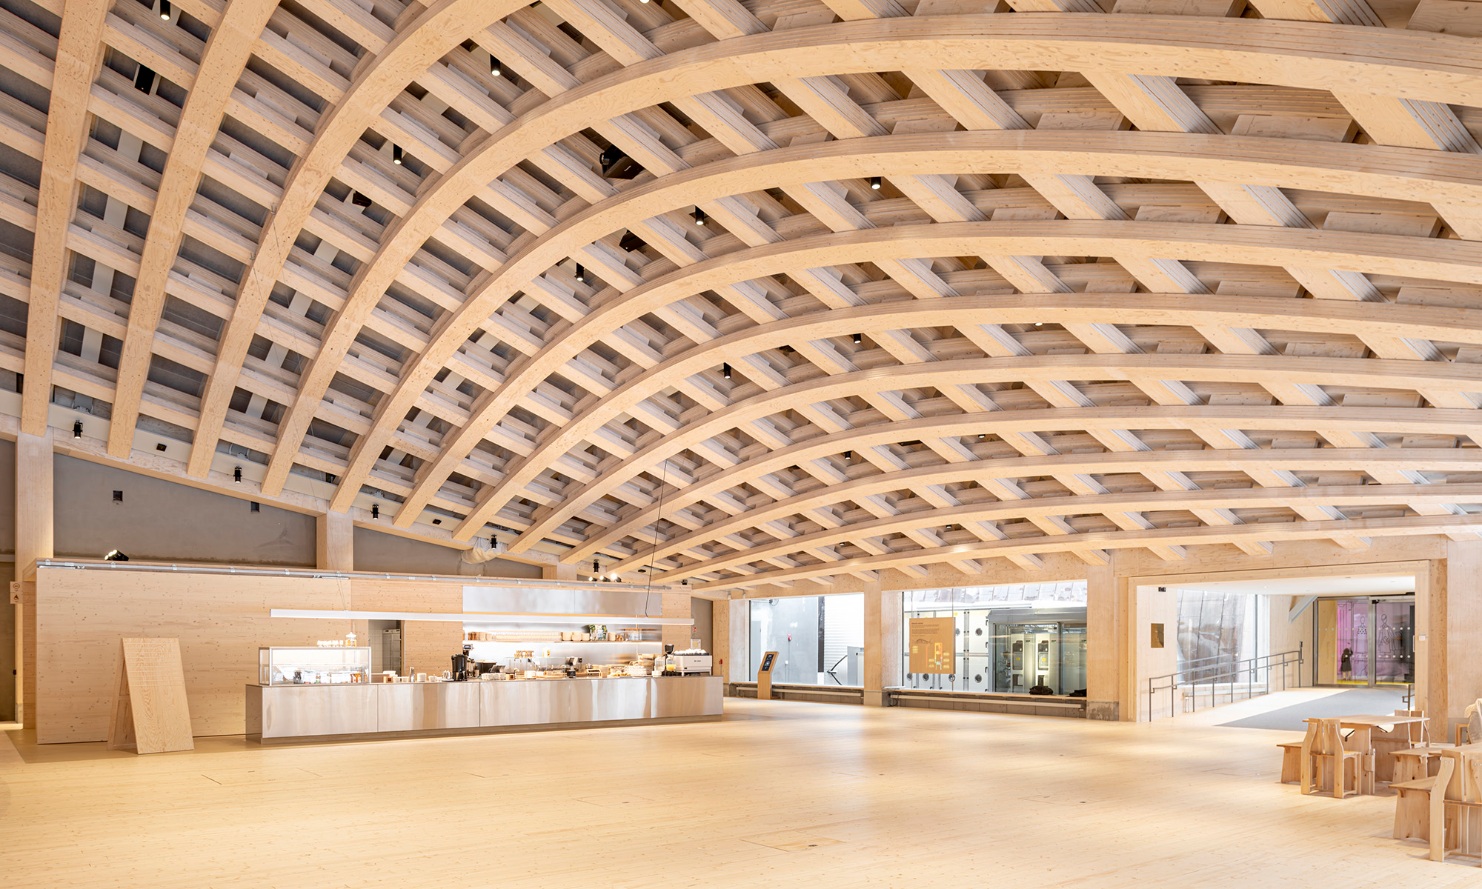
[786, 794]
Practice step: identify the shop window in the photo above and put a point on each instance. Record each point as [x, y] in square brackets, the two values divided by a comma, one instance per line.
[819, 640]
[1009, 639]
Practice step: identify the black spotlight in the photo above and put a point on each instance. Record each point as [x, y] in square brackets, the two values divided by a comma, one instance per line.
[144, 79]
[115, 556]
[237, 475]
[375, 510]
[494, 67]
[581, 274]
[858, 339]
[165, 10]
[396, 155]
[77, 429]
[493, 541]
[875, 183]
[725, 371]
[699, 216]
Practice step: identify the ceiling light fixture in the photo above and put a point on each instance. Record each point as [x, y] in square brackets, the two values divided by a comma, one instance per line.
[493, 541]
[77, 429]
[144, 78]
[699, 216]
[725, 371]
[396, 155]
[165, 10]
[237, 475]
[858, 339]
[115, 556]
[581, 274]
[875, 183]
[848, 455]
[494, 67]
[375, 510]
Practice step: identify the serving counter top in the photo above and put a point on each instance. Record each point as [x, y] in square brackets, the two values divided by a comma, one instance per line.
[393, 709]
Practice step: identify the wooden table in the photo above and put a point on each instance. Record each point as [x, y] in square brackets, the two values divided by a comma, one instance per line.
[1363, 725]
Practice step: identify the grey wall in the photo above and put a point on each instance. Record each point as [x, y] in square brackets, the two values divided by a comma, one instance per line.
[375, 551]
[163, 521]
[703, 611]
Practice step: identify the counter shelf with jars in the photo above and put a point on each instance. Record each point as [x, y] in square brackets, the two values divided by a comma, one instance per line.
[319, 665]
[546, 642]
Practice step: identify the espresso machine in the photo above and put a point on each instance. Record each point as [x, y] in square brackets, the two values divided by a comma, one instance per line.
[460, 667]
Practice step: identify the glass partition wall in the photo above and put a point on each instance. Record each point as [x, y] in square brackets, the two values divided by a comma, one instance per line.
[819, 640]
[1011, 639]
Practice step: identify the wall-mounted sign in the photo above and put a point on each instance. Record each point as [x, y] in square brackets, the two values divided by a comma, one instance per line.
[933, 642]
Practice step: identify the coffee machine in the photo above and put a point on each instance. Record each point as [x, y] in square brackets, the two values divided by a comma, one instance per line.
[460, 667]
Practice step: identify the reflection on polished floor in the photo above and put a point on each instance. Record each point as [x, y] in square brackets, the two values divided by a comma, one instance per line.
[778, 793]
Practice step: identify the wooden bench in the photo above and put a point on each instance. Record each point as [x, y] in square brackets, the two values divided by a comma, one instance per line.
[1420, 808]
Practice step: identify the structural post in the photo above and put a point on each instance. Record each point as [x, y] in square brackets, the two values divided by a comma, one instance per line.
[677, 605]
[335, 542]
[34, 539]
[1104, 645]
[1458, 671]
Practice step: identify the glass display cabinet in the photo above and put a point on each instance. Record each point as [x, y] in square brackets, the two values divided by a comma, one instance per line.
[314, 666]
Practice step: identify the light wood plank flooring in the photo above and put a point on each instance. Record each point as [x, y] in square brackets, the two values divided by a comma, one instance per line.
[781, 794]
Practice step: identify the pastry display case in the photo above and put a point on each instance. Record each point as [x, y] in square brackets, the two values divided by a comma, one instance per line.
[314, 665]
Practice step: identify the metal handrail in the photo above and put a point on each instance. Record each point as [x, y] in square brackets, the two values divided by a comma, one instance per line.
[1247, 667]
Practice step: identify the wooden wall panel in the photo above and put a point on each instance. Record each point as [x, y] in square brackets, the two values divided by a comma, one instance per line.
[425, 645]
[221, 620]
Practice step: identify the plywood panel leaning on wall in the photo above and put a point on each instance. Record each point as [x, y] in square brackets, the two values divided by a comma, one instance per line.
[220, 620]
[150, 710]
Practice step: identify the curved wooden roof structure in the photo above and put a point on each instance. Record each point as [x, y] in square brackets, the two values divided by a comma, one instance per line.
[761, 292]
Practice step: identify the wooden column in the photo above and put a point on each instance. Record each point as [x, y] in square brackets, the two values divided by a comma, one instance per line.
[1104, 646]
[1458, 681]
[335, 542]
[876, 651]
[34, 539]
[882, 643]
[720, 639]
[676, 605]
[739, 628]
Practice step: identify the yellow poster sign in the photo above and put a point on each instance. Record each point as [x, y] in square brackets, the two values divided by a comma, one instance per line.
[933, 644]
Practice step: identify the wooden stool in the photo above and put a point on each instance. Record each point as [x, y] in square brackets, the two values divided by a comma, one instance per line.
[1291, 762]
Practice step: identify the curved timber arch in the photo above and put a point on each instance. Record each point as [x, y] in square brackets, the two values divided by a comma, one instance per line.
[1316, 460]
[1347, 169]
[981, 371]
[1407, 526]
[1075, 505]
[1241, 50]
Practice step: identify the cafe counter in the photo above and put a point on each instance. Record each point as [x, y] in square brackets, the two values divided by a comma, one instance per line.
[279, 713]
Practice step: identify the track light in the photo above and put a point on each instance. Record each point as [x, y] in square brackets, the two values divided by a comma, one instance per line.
[375, 510]
[699, 216]
[165, 10]
[77, 429]
[581, 274]
[725, 371]
[494, 67]
[848, 455]
[115, 556]
[396, 155]
[596, 569]
[493, 541]
[875, 183]
[858, 339]
[237, 475]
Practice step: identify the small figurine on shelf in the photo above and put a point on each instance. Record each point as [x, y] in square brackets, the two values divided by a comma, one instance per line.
[349, 640]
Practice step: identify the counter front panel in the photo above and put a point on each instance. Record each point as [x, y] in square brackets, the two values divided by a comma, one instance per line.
[288, 712]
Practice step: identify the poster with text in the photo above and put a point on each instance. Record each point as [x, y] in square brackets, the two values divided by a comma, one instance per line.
[933, 642]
